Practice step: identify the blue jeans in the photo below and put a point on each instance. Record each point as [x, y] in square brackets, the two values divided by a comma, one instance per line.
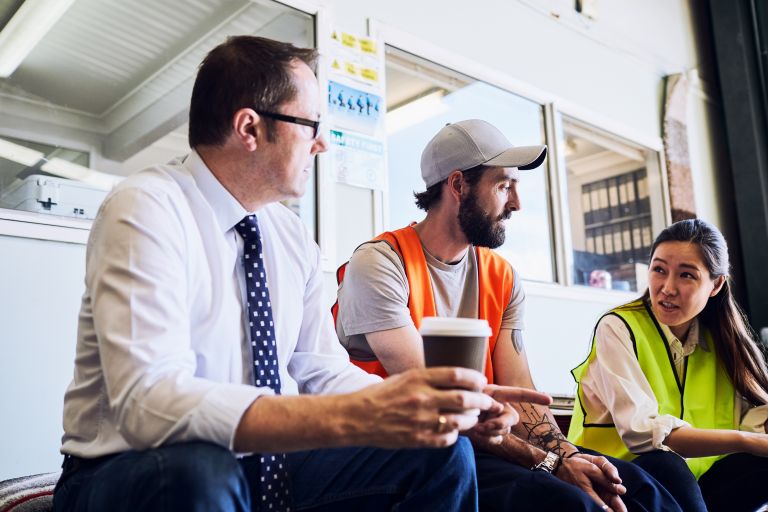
[736, 483]
[508, 486]
[671, 470]
[200, 476]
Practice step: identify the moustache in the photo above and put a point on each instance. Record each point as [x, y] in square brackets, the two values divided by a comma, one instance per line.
[505, 215]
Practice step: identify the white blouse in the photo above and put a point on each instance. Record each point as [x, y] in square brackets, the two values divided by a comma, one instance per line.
[615, 386]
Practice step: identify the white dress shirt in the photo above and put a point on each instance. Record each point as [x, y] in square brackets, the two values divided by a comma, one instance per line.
[162, 353]
[616, 388]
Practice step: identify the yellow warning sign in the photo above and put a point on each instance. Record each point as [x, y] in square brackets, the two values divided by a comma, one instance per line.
[350, 68]
[348, 40]
[336, 65]
[370, 74]
[367, 45]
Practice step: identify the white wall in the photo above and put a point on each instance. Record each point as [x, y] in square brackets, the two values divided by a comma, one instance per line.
[41, 283]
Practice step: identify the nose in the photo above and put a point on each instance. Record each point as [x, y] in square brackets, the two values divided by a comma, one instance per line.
[513, 200]
[320, 145]
[669, 287]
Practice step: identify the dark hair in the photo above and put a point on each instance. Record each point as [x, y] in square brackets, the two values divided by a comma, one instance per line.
[430, 197]
[743, 358]
[244, 71]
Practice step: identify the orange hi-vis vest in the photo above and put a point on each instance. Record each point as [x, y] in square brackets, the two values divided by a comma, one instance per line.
[495, 282]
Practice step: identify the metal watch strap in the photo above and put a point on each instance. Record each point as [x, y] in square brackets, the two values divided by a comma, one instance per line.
[549, 463]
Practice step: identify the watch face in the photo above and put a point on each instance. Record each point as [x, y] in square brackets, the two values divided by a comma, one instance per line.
[548, 464]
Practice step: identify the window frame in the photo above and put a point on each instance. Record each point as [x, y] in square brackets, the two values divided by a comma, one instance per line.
[656, 173]
[554, 108]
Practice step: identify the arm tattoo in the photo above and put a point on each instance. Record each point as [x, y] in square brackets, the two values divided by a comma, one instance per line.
[517, 340]
[541, 431]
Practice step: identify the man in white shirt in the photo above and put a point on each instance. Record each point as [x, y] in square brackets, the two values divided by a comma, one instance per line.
[199, 284]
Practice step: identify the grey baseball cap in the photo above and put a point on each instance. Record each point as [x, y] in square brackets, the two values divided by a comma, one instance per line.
[467, 144]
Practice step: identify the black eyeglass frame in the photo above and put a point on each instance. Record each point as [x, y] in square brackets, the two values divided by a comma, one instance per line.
[315, 125]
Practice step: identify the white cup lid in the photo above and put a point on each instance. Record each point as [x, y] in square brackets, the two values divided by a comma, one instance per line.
[443, 326]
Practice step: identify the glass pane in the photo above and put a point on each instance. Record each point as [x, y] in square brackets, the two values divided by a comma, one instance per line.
[610, 195]
[105, 92]
[421, 98]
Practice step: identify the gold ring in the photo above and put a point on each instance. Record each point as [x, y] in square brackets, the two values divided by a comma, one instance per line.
[442, 423]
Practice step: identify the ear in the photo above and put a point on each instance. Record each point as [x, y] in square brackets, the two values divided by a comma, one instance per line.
[456, 185]
[719, 282]
[248, 128]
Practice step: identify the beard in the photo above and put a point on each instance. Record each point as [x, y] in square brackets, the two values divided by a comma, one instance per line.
[480, 228]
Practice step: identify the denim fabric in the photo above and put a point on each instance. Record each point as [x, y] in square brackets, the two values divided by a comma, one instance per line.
[672, 472]
[644, 492]
[378, 480]
[187, 476]
[505, 486]
[205, 477]
[736, 483]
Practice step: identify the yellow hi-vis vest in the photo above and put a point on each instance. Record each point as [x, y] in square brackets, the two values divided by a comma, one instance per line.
[705, 399]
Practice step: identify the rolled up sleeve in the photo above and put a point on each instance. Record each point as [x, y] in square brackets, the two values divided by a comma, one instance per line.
[138, 283]
[626, 392]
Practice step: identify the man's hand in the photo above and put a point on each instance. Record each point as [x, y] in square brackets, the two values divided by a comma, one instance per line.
[496, 422]
[424, 407]
[597, 477]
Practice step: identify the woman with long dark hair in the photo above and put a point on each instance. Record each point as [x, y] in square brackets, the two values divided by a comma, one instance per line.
[676, 381]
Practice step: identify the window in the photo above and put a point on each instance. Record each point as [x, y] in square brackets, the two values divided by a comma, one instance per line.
[422, 97]
[106, 92]
[615, 207]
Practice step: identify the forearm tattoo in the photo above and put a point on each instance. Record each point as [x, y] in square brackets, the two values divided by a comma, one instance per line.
[541, 431]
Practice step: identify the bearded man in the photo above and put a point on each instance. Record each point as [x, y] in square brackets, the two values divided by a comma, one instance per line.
[445, 266]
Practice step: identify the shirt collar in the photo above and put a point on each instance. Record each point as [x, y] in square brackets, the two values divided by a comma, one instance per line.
[692, 340]
[226, 208]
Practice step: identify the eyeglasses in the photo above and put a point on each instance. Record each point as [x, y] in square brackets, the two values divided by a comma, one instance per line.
[315, 125]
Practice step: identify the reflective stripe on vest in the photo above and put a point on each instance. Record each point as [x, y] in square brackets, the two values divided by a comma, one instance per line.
[705, 399]
[494, 277]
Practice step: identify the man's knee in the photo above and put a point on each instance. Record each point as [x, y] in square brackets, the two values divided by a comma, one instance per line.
[193, 476]
[203, 473]
[455, 462]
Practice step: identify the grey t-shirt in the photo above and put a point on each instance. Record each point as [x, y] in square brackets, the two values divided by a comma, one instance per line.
[374, 295]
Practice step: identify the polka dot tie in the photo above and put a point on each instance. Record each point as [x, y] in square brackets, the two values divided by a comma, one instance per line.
[274, 485]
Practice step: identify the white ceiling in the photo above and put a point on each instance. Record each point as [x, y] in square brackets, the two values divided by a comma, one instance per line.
[102, 50]
[124, 69]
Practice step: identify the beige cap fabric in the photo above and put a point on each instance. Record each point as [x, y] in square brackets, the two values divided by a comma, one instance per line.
[467, 144]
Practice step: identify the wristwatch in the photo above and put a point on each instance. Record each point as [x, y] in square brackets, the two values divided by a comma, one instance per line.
[550, 463]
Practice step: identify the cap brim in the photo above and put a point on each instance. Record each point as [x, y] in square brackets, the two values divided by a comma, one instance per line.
[523, 157]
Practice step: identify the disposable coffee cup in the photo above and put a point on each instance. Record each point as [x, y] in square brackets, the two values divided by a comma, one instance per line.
[455, 342]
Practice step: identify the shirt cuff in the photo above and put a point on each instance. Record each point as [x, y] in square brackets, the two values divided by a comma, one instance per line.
[662, 426]
[754, 419]
[219, 414]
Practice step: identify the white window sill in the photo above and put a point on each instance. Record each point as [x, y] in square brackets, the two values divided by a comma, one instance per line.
[581, 293]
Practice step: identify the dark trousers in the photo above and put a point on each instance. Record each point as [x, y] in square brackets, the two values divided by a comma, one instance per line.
[736, 483]
[506, 486]
[201, 476]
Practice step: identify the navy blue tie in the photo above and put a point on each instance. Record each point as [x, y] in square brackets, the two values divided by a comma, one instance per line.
[274, 484]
